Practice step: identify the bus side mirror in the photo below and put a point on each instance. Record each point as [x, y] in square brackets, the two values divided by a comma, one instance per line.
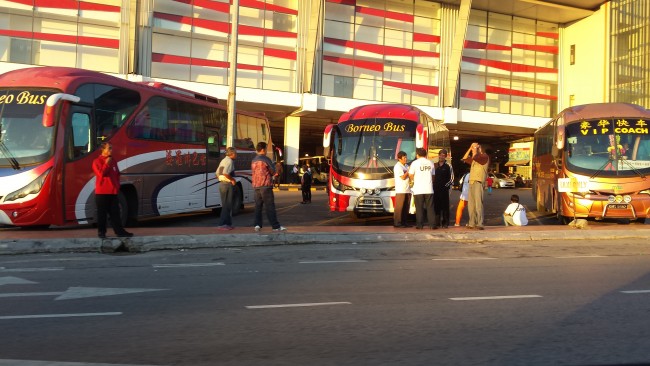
[420, 136]
[327, 135]
[559, 140]
[50, 106]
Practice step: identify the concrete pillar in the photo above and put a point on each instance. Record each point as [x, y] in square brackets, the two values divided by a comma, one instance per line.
[291, 144]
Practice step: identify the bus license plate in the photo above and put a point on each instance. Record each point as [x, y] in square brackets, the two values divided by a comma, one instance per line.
[619, 206]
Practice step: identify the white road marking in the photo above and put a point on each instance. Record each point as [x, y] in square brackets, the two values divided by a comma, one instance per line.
[297, 305]
[493, 297]
[27, 294]
[636, 292]
[336, 261]
[581, 256]
[15, 281]
[82, 292]
[55, 363]
[179, 265]
[39, 316]
[45, 269]
[463, 259]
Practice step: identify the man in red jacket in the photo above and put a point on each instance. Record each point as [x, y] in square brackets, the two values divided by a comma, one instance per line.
[107, 185]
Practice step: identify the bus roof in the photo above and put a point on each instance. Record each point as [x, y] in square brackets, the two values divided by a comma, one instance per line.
[604, 110]
[403, 111]
[69, 79]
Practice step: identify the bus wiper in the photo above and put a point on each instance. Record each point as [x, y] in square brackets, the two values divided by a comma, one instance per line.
[637, 171]
[9, 155]
[388, 169]
[359, 166]
[609, 161]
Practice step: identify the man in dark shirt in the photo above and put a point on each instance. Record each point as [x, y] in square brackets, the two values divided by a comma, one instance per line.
[263, 171]
[444, 180]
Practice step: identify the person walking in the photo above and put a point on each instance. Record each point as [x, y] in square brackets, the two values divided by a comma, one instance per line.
[444, 179]
[515, 213]
[462, 202]
[263, 171]
[107, 187]
[402, 191]
[305, 185]
[226, 176]
[479, 162]
[422, 172]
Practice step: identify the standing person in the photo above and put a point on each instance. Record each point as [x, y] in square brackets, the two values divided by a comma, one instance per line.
[515, 213]
[402, 195]
[279, 169]
[422, 172]
[444, 180]
[107, 186]
[478, 161]
[294, 173]
[462, 202]
[225, 174]
[305, 185]
[489, 182]
[263, 171]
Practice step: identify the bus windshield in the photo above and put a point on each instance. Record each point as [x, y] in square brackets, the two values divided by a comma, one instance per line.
[23, 139]
[599, 148]
[371, 145]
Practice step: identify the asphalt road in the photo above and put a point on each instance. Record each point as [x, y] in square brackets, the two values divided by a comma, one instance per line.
[374, 304]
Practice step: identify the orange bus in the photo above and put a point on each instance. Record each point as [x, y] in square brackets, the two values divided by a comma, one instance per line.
[166, 141]
[593, 161]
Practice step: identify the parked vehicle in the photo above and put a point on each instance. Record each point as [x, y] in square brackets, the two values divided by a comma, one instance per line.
[501, 180]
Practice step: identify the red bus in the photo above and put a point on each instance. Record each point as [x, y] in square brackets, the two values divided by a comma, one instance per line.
[167, 142]
[592, 161]
[363, 149]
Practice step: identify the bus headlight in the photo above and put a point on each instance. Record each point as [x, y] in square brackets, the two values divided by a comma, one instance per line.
[362, 190]
[339, 186]
[377, 191]
[32, 188]
[627, 198]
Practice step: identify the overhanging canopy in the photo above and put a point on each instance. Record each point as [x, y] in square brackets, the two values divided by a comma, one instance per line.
[517, 162]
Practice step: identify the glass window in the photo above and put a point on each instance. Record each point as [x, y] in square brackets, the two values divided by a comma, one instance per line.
[80, 143]
[112, 106]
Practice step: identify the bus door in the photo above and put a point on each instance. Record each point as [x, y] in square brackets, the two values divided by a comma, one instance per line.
[213, 159]
[78, 183]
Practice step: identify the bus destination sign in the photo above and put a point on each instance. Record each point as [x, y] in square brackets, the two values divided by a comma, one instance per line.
[619, 126]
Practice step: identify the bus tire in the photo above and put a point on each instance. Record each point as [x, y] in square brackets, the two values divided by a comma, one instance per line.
[564, 220]
[237, 200]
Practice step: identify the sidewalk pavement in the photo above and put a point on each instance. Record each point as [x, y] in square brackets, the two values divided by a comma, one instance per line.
[84, 239]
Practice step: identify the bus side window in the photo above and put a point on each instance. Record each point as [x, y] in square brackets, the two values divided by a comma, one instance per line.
[79, 144]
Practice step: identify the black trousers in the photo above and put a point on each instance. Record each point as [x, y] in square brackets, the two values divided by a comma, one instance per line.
[424, 207]
[107, 204]
[441, 206]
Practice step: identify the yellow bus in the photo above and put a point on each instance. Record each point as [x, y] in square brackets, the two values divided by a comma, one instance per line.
[593, 161]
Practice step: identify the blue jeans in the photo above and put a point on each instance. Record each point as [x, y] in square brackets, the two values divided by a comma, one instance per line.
[264, 196]
[226, 191]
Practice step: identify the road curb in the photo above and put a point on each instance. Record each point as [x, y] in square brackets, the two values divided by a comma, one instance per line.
[177, 242]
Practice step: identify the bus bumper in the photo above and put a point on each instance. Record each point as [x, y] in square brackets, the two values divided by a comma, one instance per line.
[601, 207]
[355, 202]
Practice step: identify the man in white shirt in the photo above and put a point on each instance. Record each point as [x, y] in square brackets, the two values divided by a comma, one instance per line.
[515, 213]
[422, 174]
[402, 191]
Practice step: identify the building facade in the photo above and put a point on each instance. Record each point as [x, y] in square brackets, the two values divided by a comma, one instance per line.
[304, 62]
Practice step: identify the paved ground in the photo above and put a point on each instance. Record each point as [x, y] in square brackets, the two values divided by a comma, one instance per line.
[176, 235]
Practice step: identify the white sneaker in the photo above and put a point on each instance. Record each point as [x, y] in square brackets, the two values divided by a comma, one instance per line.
[258, 228]
[281, 228]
